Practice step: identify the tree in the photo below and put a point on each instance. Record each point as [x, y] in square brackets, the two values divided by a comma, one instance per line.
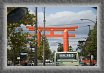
[90, 46]
[47, 50]
[18, 44]
[70, 48]
[53, 55]
[91, 43]
[60, 47]
[17, 40]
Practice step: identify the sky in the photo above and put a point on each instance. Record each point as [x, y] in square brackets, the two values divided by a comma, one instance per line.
[67, 16]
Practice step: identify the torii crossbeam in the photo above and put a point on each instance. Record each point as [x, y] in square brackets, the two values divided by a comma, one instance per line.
[65, 35]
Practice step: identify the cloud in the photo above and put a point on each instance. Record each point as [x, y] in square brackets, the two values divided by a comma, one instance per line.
[31, 12]
[65, 17]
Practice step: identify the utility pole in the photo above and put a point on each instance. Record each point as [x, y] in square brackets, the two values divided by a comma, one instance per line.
[44, 40]
[36, 47]
[90, 52]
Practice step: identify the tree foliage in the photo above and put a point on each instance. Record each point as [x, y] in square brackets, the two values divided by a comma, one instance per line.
[70, 48]
[90, 46]
[29, 19]
[60, 47]
[47, 50]
[91, 43]
[17, 39]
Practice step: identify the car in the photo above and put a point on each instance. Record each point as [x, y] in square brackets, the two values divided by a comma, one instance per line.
[48, 61]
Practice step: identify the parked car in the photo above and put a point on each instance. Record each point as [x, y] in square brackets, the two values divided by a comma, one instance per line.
[48, 61]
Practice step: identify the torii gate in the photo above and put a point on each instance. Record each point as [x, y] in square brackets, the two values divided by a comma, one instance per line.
[52, 30]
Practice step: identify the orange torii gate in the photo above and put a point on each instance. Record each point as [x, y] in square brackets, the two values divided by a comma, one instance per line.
[52, 30]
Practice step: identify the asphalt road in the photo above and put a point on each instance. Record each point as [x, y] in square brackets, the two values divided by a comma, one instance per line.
[46, 64]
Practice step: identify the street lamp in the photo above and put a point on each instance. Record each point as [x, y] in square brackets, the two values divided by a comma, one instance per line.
[88, 20]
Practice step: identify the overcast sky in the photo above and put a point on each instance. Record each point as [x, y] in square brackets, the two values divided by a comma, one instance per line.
[67, 16]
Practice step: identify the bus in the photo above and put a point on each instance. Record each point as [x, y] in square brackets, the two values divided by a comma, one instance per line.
[66, 59]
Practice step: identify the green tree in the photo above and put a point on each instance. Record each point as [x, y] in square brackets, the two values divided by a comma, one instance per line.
[60, 47]
[17, 40]
[70, 48]
[47, 50]
[18, 44]
[90, 46]
[91, 42]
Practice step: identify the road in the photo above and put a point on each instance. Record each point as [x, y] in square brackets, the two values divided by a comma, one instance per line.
[50, 64]
[46, 64]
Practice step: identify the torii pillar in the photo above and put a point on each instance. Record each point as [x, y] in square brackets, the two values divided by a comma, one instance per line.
[65, 40]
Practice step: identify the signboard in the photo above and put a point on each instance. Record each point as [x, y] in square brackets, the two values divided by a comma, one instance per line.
[23, 53]
[18, 58]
